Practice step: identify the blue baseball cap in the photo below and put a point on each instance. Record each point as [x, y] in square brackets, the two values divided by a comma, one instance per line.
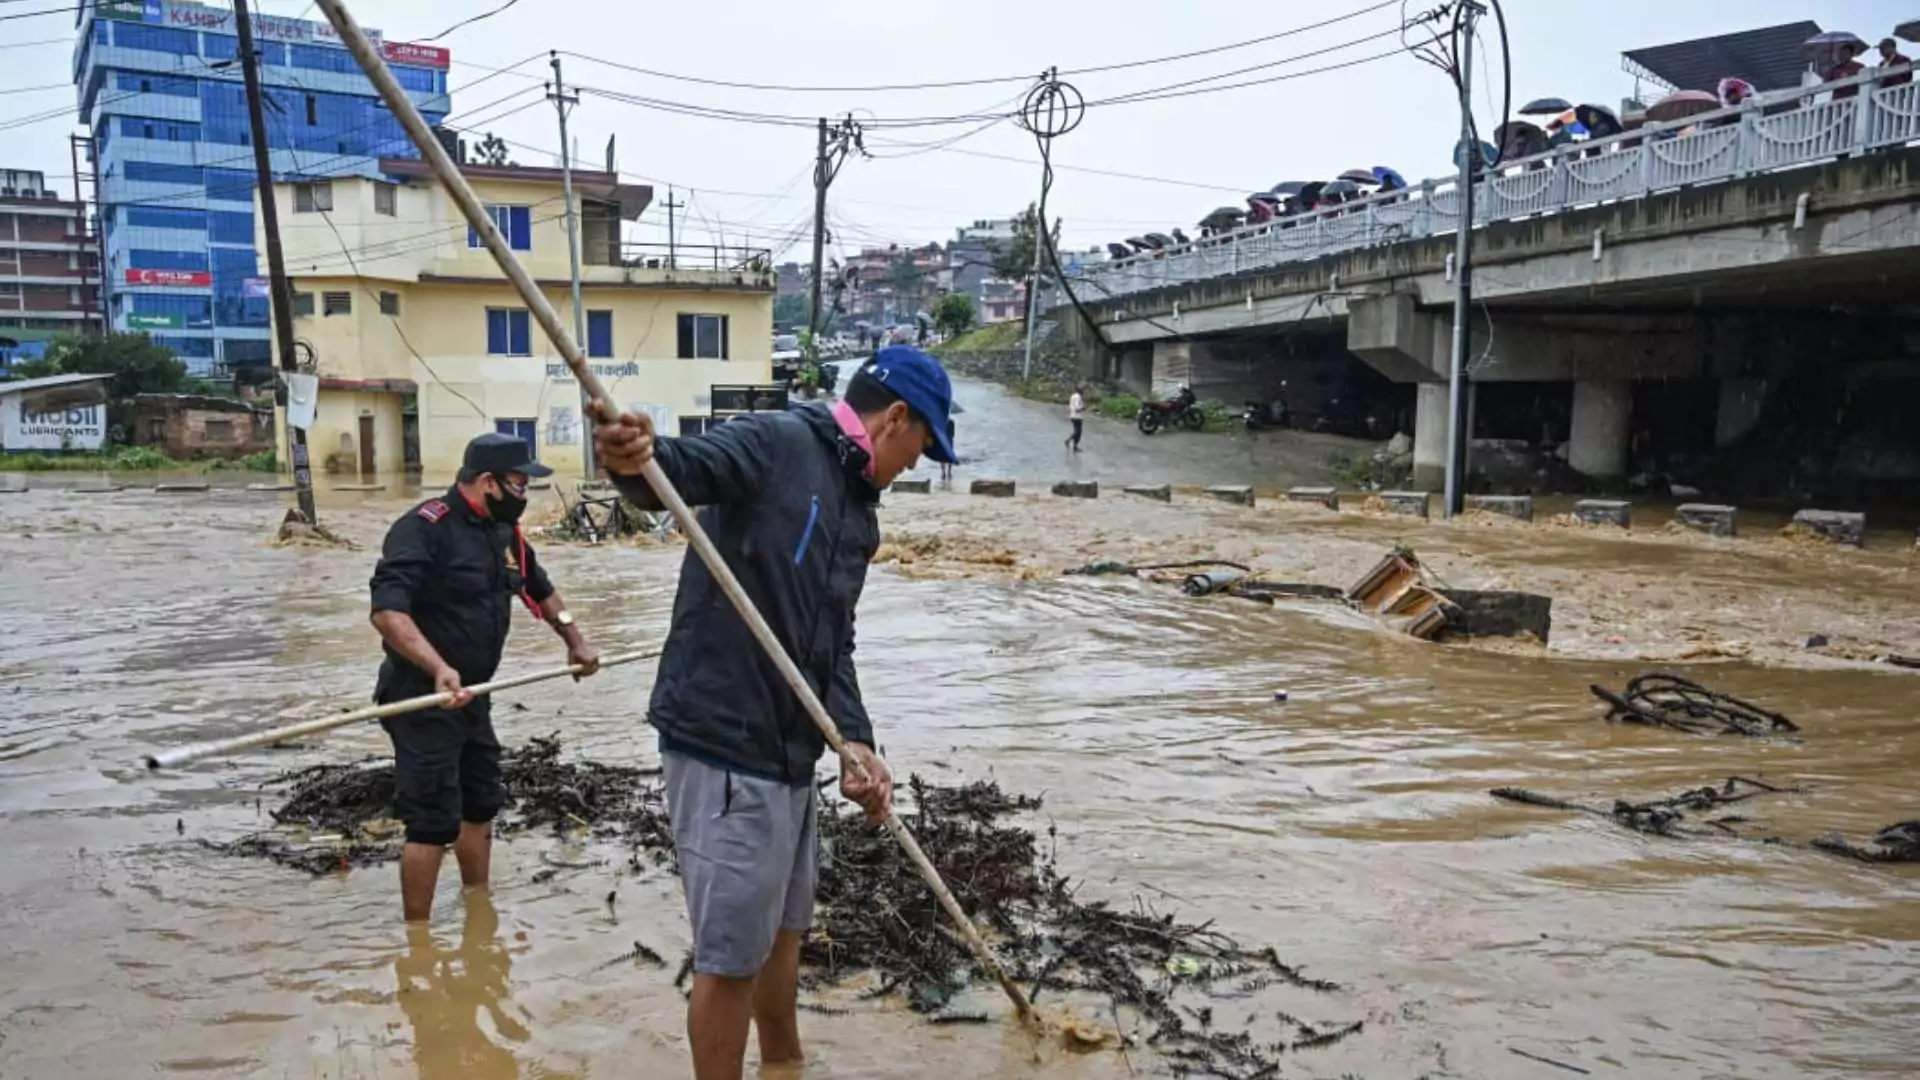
[920, 381]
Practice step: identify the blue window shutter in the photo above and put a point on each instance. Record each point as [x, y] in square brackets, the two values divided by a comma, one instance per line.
[520, 218]
[599, 333]
[519, 343]
[496, 332]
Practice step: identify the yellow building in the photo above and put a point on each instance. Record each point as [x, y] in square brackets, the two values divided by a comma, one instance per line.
[406, 319]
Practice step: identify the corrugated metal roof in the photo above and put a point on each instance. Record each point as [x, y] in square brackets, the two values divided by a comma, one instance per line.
[1771, 58]
[48, 382]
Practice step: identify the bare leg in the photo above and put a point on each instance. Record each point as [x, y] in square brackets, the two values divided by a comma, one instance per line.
[774, 997]
[475, 852]
[419, 869]
[717, 1017]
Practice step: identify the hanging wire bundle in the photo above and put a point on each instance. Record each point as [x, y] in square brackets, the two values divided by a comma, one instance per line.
[1658, 699]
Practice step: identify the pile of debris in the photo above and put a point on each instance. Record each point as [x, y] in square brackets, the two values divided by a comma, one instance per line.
[1397, 590]
[877, 915]
[598, 513]
[1665, 816]
[1658, 699]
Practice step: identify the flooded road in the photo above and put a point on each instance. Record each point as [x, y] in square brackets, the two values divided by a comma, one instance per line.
[1349, 827]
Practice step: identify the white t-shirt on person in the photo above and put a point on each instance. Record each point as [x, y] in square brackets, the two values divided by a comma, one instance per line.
[1075, 405]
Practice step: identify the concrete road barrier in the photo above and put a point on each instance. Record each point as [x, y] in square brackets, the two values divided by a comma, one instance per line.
[1604, 512]
[1324, 496]
[12, 486]
[1709, 518]
[1077, 489]
[993, 489]
[1238, 495]
[182, 487]
[1839, 526]
[96, 488]
[358, 487]
[912, 487]
[1517, 507]
[1164, 493]
[270, 487]
[1410, 503]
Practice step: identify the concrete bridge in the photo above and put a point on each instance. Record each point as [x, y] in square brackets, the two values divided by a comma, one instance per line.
[1725, 253]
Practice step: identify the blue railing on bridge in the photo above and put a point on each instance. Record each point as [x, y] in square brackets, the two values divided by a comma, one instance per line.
[1726, 144]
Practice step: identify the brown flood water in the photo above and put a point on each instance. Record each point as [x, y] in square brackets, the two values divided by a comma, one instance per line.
[1349, 827]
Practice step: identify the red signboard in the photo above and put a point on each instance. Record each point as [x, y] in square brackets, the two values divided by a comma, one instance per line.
[404, 52]
[169, 277]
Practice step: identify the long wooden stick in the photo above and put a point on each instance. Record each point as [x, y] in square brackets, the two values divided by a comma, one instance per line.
[607, 412]
[180, 755]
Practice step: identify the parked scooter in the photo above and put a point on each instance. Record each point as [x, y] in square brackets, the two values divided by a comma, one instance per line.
[1268, 414]
[1183, 410]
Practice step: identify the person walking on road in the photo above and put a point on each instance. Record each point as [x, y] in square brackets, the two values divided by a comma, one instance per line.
[1076, 415]
[946, 467]
[789, 499]
[443, 594]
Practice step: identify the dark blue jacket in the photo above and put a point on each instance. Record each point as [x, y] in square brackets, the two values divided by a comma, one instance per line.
[785, 501]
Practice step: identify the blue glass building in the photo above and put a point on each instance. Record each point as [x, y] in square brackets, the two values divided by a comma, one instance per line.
[161, 88]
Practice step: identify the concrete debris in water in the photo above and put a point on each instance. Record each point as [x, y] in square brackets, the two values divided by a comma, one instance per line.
[296, 530]
[1658, 699]
[875, 913]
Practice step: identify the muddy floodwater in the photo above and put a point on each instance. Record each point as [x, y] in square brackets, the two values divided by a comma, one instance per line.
[1350, 826]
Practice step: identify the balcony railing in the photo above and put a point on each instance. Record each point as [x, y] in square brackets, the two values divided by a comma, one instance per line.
[724, 257]
[1726, 144]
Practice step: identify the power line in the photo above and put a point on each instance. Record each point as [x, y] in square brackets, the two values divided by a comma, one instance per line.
[986, 81]
[37, 14]
[469, 21]
[31, 44]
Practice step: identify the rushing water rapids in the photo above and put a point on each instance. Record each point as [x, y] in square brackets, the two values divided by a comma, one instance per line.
[1349, 827]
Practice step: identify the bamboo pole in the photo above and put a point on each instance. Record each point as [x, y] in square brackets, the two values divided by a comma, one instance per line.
[456, 185]
[180, 755]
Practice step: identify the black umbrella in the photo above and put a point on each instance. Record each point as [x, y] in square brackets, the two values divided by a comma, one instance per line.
[1119, 251]
[1518, 139]
[1267, 197]
[1222, 217]
[1139, 243]
[1159, 240]
[1908, 31]
[1599, 120]
[1344, 189]
[1289, 187]
[1360, 176]
[1546, 106]
[1309, 192]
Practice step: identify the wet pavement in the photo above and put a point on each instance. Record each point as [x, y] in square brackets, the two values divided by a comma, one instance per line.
[1349, 827]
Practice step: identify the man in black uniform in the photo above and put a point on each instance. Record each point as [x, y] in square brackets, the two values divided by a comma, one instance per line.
[443, 596]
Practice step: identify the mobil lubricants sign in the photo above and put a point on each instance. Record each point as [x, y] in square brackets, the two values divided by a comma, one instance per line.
[71, 418]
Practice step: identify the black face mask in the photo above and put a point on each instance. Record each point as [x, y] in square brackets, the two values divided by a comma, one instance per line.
[506, 507]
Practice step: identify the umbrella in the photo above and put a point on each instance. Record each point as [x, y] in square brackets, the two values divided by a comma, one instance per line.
[1488, 155]
[1908, 31]
[1729, 87]
[1359, 176]
[1180, 237]
[1289, 187]
[1342, 188]
[1518, 139]
[1159, 240]
[1388, 179]
[1309, 193]
[1258, 211]
[1599, 120]
[1834, 40]
[1119, 251]
[1139, 243]
[1222, 217]
[1681, 104]
[1545, 106]
[1267, 197]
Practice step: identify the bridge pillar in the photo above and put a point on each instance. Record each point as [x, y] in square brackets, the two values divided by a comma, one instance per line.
[1742, 400]
[1602, 428]
[1430, 436]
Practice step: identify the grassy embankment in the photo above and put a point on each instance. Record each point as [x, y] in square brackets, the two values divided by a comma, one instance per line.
[132, 459]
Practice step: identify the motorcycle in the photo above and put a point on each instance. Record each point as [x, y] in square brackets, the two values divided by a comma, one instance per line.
[1267, 414]
[1183, 410]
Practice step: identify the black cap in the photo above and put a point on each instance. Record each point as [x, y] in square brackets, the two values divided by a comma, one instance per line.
[497, 453]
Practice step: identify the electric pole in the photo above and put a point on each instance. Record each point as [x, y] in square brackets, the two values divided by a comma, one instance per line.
[1457, 395]
[279, 288]
[562, 101]
[1051, 109]
[671, 207]
[835, 143]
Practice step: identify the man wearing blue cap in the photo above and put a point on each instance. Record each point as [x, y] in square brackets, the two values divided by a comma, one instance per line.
[789, 500]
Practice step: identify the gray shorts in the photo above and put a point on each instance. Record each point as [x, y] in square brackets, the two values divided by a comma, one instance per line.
[749, 859]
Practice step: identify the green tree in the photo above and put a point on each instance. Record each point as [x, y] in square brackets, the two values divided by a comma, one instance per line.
[1013, 259]
[493, 150]
[955, 314]
[790, 310]
[138, 366]
[905, 279]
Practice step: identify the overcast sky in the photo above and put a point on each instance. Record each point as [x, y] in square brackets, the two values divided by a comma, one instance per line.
[751, 181]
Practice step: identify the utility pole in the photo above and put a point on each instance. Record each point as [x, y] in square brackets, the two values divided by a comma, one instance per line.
[279, 288]
[836, 141]
[1457, 391]
[1033, 288]
[1051, 109]
[562, 101]
[671, 207]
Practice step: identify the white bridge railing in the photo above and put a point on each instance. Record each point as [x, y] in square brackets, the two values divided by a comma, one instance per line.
[1784, 130]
